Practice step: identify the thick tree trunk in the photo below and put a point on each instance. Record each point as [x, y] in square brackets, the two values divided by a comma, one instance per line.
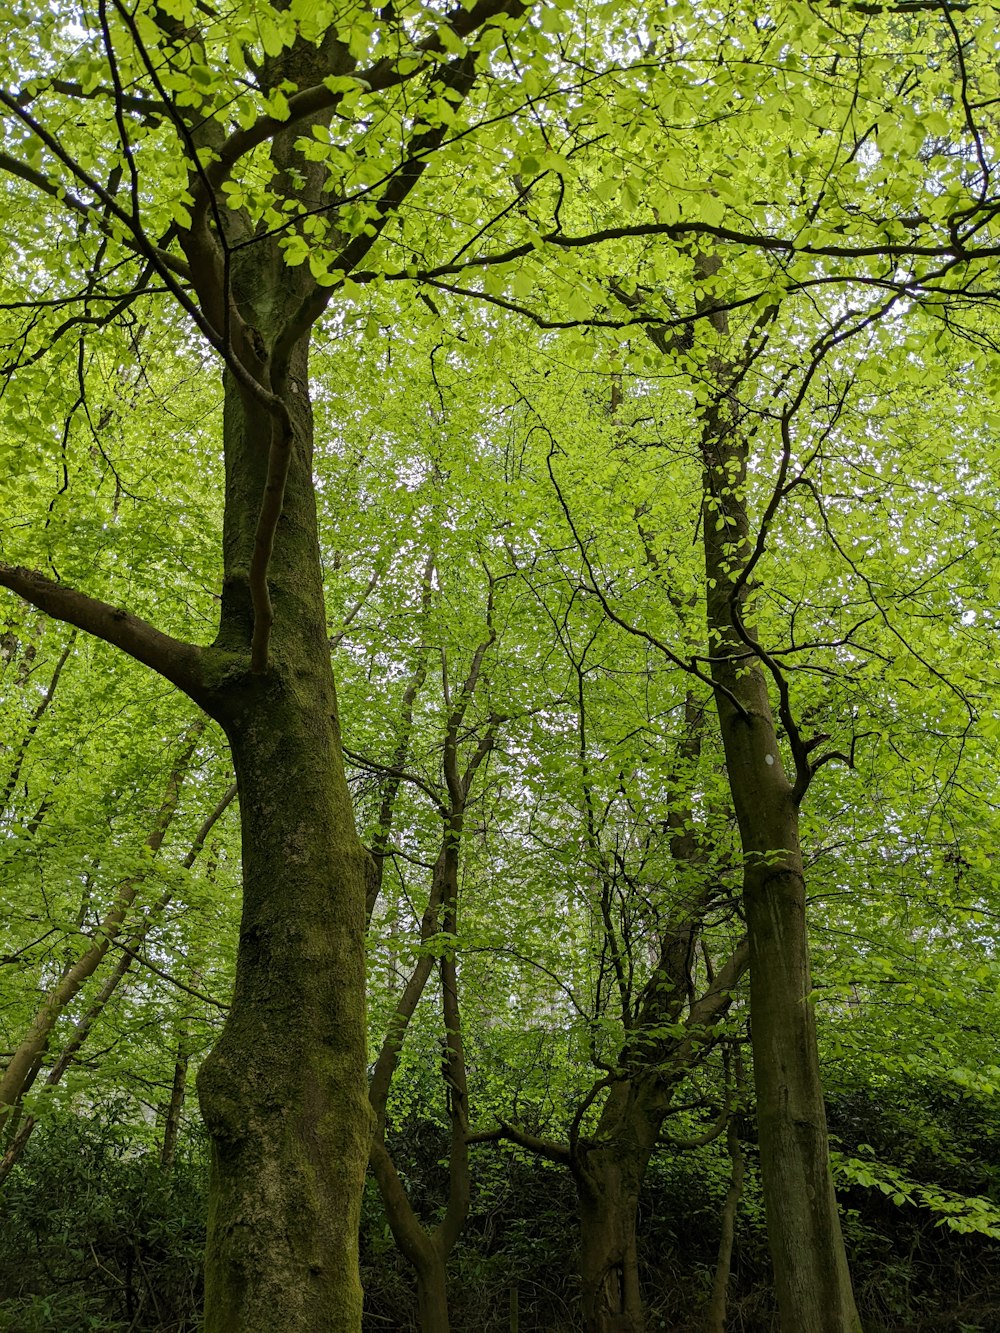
[284, 1093]
[432, 1292]
[609, 1270]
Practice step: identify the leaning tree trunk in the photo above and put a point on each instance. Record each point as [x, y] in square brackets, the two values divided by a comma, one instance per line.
[26, 1061]
[284, 1093]
[810, 1265]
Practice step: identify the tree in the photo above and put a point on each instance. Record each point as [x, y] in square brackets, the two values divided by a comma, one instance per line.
[735, 182]
[464, 749]
[247, 164]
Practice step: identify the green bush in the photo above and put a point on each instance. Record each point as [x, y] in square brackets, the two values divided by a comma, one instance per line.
[97, 1237]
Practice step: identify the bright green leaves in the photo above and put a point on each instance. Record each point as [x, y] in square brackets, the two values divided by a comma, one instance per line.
[959, 1212]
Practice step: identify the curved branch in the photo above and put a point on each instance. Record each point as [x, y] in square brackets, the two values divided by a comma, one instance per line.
[174, 659]
[547, 1148]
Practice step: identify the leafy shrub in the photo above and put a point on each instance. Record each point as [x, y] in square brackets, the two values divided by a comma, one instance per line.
[97, 1237]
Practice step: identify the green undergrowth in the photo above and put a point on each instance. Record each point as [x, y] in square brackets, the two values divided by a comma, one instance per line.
[99, 1238]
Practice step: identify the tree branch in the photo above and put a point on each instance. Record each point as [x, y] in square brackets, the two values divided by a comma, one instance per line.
[547, 1148]
[175, 660]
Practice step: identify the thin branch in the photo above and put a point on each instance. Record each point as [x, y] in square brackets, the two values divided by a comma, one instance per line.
[597, 591]
[40, 709]
[137, 957]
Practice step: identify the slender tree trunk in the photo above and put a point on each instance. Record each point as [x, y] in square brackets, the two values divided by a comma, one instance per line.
[428, 1250]
[19, 1133]
[26, 1061]
[36, 717]
[172, 1115]
[715, 1317]
[810, 1265]
[610, 1170]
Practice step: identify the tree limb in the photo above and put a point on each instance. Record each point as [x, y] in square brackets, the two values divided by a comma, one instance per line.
[174, 659]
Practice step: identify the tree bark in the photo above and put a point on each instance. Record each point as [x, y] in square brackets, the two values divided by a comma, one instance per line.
[284, 1094]
[810, 1264]
[609, 1269]
[715, 1317]
[432, 1293]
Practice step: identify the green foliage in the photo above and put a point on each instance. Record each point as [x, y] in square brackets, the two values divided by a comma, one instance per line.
[487, 393]
[97, 1237]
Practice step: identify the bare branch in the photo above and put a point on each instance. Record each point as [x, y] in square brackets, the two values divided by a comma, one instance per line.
[547, 1148]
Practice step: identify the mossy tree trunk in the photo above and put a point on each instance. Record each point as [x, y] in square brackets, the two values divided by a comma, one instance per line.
[284, 1093]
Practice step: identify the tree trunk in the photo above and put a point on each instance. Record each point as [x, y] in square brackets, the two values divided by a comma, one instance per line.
[610, 1168]
[810, 1264]
[432, 1292]
[26, 1061]
[715, 1316]
[17, 1133]
[609, 1270]
[428, 1250]
[284, 1093]
[172, 1115]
